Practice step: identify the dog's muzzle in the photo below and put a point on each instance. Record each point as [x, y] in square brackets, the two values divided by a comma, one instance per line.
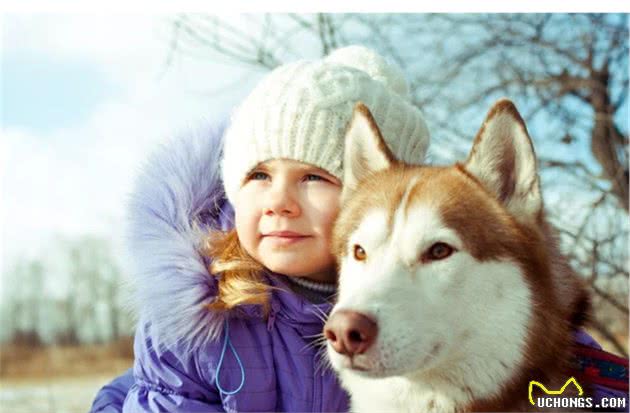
[350, 333]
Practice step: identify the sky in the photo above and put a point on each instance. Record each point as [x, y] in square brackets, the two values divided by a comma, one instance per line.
[85, 99]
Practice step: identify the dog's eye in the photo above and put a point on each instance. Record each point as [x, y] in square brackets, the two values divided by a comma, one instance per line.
[359, 253]
[438, 251]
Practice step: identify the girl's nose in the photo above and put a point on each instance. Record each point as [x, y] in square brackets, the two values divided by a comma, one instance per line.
[281, 201]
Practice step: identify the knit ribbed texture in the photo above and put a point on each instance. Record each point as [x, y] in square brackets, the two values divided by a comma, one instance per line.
[301, 110]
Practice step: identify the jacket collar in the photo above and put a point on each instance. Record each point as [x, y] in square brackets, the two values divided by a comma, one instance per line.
[290, 307]
[294, 307]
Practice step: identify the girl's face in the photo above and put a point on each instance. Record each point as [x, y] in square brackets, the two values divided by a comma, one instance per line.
[284, 214]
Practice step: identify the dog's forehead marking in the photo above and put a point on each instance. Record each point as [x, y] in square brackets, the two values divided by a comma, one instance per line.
[402, 208]
[416, 228]
[373, 229]
[455, 201]
[400, 223]
[406, 227]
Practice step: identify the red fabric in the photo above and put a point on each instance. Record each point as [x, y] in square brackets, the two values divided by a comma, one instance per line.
[592, 373]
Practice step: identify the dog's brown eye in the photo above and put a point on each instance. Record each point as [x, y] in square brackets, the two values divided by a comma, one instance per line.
[439, 251]
[359, 253]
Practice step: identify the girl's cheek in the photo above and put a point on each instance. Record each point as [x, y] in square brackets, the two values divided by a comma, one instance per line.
[327, 191]
[329, 212]
[333, 200]
[246, 232]
[244, 220]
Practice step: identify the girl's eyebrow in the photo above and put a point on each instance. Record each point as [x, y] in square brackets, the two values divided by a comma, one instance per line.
[310, 168]
[300, 168]
[261, 167]
[315, 169]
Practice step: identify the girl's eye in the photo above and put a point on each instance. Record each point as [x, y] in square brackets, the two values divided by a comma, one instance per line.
[311, 177]
[258, 176]
[438, 251]
[359, 253]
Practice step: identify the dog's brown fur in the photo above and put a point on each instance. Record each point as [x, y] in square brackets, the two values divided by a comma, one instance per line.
[489, 231]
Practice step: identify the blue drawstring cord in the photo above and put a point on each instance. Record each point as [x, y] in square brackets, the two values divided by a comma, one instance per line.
[227, 343]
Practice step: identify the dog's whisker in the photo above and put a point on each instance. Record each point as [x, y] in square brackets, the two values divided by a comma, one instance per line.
[312, 344]
[319, 313]
[317, 340]
[309, 345]
[313, 335]
[323, 363]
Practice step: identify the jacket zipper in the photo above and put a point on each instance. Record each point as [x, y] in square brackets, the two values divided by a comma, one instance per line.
[271, 318]
[317, 387]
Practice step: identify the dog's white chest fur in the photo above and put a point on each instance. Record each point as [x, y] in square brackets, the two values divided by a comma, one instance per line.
[401, 395]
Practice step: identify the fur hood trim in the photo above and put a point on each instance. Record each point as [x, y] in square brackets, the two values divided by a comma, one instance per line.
[177, 198]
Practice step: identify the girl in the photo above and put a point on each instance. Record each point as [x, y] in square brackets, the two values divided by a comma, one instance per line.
[232, 299]
[234, 275]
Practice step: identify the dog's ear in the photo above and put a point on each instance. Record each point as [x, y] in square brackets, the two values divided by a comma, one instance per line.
[365, 149]
[503, 159]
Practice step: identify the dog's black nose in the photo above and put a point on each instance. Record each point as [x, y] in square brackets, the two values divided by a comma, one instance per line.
[350, 332]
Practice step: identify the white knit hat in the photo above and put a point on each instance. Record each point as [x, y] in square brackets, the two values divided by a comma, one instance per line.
[300, 111]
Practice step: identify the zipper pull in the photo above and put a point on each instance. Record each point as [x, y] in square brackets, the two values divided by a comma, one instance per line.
[271, 319]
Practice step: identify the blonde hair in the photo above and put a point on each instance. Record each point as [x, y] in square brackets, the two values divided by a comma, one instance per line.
[240, 280]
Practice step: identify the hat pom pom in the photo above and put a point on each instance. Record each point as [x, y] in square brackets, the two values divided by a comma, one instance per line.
[370, 62]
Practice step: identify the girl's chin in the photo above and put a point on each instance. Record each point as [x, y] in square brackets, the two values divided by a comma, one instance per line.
[297, 263]
[294, 269]
[289, 270]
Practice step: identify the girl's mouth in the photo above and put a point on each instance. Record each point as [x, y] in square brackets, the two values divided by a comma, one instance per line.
[288, 234]
[283, 238]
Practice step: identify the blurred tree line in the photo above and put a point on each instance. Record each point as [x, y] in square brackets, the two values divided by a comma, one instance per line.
[567, 74]
[70, 295]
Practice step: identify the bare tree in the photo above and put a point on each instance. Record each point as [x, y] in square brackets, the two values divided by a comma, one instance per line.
[568, 73]
[91, 308]
[95, 278]
[569, 67]
[25, 303]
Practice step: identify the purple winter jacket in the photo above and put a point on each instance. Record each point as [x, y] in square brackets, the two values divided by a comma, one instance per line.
[190, 359]
[180, 347]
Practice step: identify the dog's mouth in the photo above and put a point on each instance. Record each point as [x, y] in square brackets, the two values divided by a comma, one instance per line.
[369, 372]
[357, 367]
[374, 368]
[360, 367]
[350, 363]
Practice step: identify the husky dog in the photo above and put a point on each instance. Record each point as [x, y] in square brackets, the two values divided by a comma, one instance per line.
[453, 294]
